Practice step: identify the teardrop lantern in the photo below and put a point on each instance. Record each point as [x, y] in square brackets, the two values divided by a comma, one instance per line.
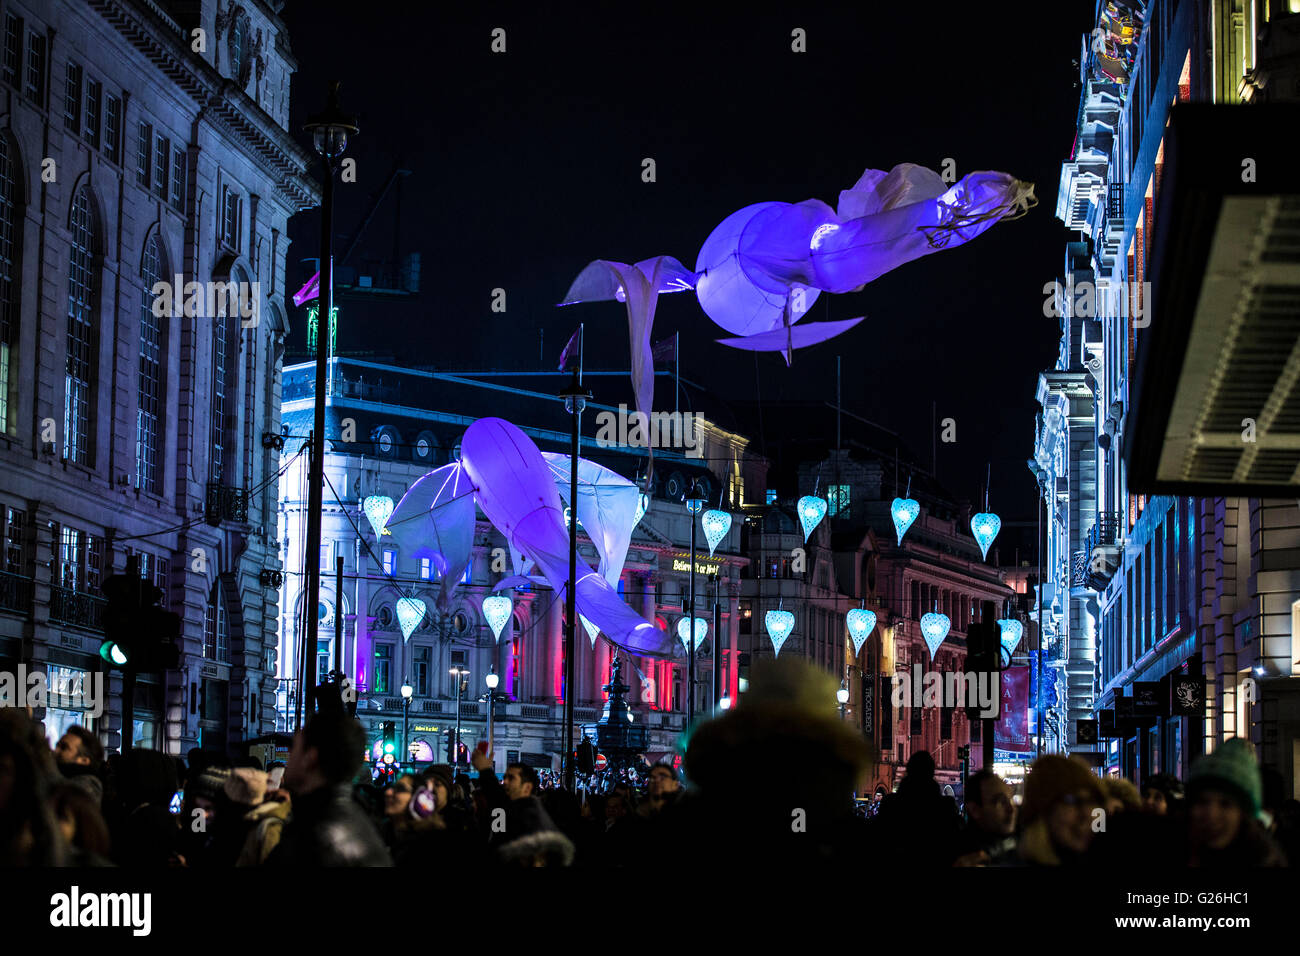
[861, 622]
[985, 527]
[716, 525]
[1012, 630]
[642, 506]
[904, 511]
[934, 628]
[701, 631]
[410, 612]
[378, 509]
[779, 624]
[497, 609]
[811, 511]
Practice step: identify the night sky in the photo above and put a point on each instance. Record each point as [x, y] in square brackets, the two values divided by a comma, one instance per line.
[527, 165]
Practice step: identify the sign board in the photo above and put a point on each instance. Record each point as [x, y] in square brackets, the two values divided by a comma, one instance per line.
[1106, 726]
[1186, 695]
[601, 762]
[1146, 699]
[1085, 732]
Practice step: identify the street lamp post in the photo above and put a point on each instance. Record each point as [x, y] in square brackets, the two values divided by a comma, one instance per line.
[575, 400]
[842, 695]
[492, 681]
[330, 131]
[407, 692]
[453, 746]
[693, 505]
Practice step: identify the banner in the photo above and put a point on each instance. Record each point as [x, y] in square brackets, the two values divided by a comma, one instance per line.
[1011, 732]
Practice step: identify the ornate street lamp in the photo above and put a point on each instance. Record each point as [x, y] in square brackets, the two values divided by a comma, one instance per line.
[694, 504]
[407, 691]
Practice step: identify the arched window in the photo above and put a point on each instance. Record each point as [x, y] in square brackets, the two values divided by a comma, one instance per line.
[10, 239]
[216, 627]
[82, 371]
[148, 417]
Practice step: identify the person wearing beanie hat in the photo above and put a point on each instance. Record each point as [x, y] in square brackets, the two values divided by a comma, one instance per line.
[440, 779]
[1061, 801]
[1161, 794]
[1224, 792]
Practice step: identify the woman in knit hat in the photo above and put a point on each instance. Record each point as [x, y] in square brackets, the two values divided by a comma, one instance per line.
[1063, 800]
[1223, 797]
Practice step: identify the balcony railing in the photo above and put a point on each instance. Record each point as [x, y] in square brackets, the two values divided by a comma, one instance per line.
[76, 608]
[15, 593]
[1105, 532]
[225, 503]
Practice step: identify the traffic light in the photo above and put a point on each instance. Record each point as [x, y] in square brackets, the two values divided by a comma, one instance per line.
[138, 634]
[983, 648]
[389, 730]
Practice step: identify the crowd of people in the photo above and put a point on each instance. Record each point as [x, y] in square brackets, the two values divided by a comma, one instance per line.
[770, 781]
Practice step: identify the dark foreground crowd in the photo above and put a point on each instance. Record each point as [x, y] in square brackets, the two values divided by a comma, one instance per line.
[771, 782]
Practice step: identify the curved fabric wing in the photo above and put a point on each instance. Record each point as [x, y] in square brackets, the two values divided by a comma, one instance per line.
[435, 520]
[607, 505]
[516, 490]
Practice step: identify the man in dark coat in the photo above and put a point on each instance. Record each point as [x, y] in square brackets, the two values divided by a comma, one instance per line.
[519, 828]
[327, 827]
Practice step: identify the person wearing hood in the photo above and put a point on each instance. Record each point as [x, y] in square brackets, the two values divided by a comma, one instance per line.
[1224, 793]
[1063, 799]
[80, 757]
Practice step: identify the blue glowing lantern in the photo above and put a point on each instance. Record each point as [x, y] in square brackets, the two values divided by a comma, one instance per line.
[904, 511]
[497, 609]
[779, 624]
[1012, 631]
[410, 612]
[716, 525]
[985, 527]
[378, 509]
[592, 629]
[861, 622]
[701, 631]
[934, 628]
[811, 511]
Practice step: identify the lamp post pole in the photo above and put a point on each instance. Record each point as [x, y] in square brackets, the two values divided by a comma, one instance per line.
[693, 505]
[330, 136]
[575, 400]
[492, 680]
[453, 746]
[407, 691]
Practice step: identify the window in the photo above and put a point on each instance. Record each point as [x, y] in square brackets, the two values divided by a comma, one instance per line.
[232, 212]
[13, 54]
[72, 99]
[94, 96]
[143, 148]
[516, 661]
[15, 553]
[161, 164]
[771, 496]
[390, 562]
[427, 570]
[35, 67]
[323, 657]
[178, 179]
[113, 129]
[81, 373]
[8, 287]
[383, 669]
[216, 628]
[837, 496]
[150, 377]
[421, 670]
[224, 397]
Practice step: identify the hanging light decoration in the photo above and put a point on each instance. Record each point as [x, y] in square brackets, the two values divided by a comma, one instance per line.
[701, 631]
[716, 525]
[497, 608]
[642, 506]
[779, 624]
[378, 509]
[592, 629]
[934, 628]
[410, 612]
[861, 622]
[1012, 630]
[985, 527]
[904, 511]
[811, 511]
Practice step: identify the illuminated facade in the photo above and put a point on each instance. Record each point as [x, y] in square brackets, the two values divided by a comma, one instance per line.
[128, 158]
[1146, 591]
